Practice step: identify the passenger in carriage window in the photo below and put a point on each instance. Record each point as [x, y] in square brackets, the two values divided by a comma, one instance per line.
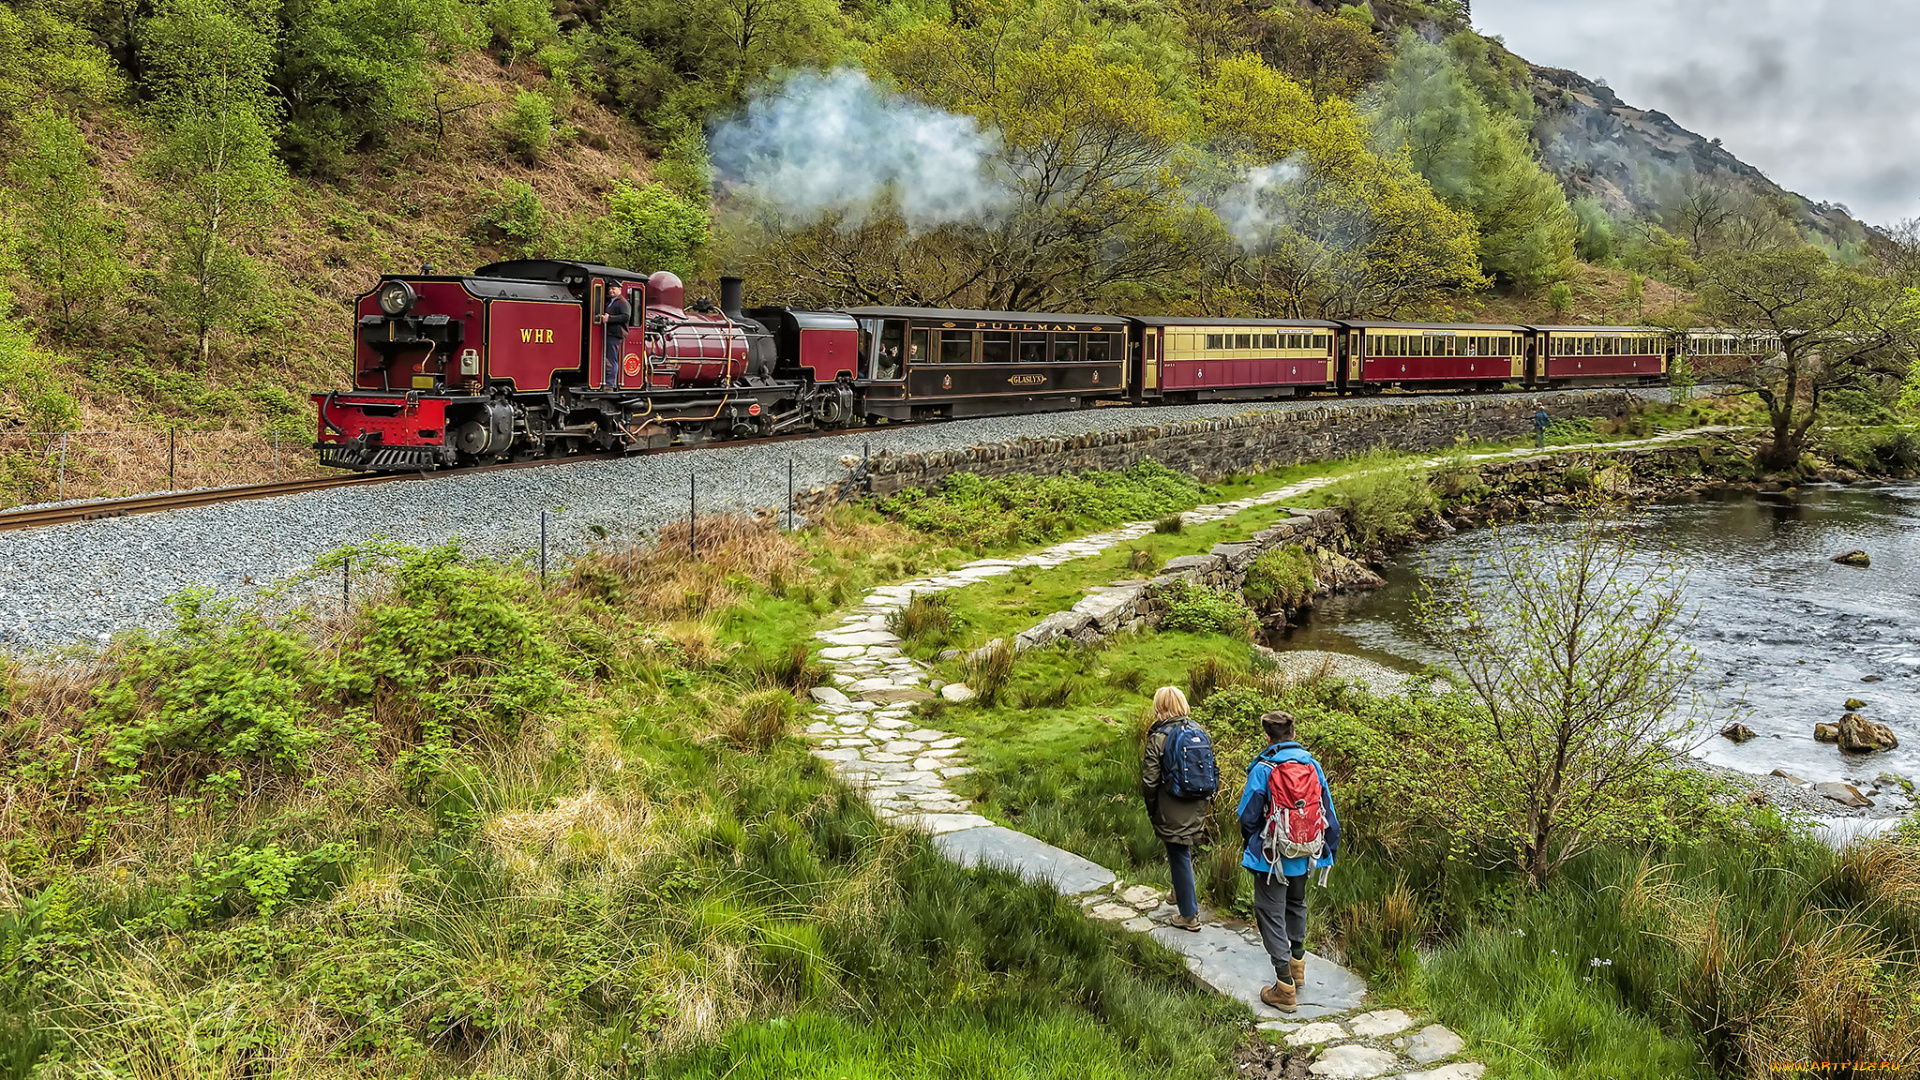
[888, 366]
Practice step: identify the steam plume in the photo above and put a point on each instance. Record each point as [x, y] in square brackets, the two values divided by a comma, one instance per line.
[835, 142]
[1253, 207]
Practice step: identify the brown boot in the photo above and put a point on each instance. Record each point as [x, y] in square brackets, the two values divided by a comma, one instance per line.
[1185, 922]
[1280, 996]
[1299, 971]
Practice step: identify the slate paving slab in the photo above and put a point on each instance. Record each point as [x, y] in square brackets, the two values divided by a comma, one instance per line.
[1353, 1063]
[1381, 1023]
[1031, 858]
[1231, 965]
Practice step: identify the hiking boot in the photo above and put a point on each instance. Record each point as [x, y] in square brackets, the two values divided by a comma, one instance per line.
[1186, 922]
[1299, 970]
[1280, 996]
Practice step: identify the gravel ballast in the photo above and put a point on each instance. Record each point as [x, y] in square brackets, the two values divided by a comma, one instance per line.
[82, 582]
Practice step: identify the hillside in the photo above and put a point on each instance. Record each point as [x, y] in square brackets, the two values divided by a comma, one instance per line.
[516, 127]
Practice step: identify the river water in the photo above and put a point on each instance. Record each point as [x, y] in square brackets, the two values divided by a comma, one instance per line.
[1784, 634]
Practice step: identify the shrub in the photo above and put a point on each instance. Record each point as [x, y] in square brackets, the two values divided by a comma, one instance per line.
[1385, 501]
[520, 27]
[988, 672]
[527, 127]
[1280, 578]
[1233, 710]
[1560, 297]
[926, 620]
[1198, 609]
[1170, 524]
[516, 215]
[647, 228]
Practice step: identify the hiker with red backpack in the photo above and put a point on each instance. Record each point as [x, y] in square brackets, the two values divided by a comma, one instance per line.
[1286, 815]
[1178, 779]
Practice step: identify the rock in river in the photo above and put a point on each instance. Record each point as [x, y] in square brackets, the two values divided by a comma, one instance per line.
[1853, 558]
[1854, 704]
[1859, 735]
[1844, 794]
[1737, 732]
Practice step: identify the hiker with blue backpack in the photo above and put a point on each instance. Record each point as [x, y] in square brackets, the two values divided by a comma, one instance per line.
[1178, 779]
[1286, 815]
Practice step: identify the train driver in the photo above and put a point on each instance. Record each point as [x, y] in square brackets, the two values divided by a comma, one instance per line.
[616, 317]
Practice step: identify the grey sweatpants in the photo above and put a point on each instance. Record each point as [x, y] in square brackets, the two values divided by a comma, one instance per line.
[1280, 911]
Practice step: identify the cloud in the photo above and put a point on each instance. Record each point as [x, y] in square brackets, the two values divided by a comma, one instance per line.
[1819, 94]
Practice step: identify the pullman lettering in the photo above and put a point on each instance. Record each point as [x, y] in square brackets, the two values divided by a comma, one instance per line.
[536, 337]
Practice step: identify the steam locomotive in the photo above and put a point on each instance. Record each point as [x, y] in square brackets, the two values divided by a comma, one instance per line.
[512, 362]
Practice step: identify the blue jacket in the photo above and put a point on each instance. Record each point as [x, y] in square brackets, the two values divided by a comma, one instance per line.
[1253, 811]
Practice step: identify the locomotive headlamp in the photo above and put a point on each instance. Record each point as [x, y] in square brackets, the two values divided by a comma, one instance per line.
[396, 298]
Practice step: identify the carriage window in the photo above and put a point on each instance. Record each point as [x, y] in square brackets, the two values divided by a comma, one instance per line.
[1099, 348]
[921, 351]
[1216, 341]
[956, 346]
[886, 362]
[1033, 348]
[996, 348]
[1066, 348]
[869, 343]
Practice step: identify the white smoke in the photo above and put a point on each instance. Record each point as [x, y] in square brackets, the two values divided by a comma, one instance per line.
[836, 143]
[1255, 206]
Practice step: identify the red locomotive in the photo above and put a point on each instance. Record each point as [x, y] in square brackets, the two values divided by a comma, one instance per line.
[516, 361]
[526, 359]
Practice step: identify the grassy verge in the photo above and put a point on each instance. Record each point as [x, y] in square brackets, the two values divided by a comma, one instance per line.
[486, 830]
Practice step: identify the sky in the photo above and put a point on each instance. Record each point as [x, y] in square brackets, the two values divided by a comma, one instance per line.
[1821, 95]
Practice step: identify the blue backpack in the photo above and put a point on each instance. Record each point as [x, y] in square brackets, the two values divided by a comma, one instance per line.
[1187, 768]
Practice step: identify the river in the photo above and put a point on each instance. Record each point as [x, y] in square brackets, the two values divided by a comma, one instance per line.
[1785, 635]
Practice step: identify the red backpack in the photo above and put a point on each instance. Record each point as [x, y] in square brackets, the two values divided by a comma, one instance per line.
[1296, 821]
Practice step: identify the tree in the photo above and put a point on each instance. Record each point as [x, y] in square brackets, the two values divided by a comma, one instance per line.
[647, 229]
[47, 58]
[1838, 328]
[348, 71]
[214, 162]
[1595, 244]
[72, 249]
[1572, 652]
[1477, 160]
[1326, 226]
[1330, 55]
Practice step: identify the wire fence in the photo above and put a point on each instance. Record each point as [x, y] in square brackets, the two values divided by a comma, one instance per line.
[42, 466]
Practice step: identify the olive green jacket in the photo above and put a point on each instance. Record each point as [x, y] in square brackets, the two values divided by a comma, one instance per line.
[1176, 821]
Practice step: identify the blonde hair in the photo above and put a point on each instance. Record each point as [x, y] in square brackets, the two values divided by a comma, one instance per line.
[1168, 701]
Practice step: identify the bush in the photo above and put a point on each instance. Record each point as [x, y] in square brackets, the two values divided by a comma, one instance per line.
[1280, 578]
[1170, 524]
[1385, 501]
[516, 215]
[647, 229]
[520, 27]
[1198, 609]
[527, 127]
[1889, 449]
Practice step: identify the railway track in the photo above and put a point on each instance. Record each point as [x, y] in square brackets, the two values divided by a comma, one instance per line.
[98, 509]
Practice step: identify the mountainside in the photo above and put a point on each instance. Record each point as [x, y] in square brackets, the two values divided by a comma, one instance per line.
[1640, 162]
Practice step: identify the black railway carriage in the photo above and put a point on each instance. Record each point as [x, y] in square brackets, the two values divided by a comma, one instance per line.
[1194, 359]
[1432, 356]
[923, 363]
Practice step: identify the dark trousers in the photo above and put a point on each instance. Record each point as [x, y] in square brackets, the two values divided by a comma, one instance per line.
[1180, 865]
[1280, 911]
[612, 369]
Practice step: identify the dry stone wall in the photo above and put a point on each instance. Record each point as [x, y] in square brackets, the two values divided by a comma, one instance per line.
[1252, 441]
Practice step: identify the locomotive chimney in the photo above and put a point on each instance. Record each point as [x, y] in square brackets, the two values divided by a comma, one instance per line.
[732, 294]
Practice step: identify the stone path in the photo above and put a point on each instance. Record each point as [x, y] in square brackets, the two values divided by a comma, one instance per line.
[867, 734]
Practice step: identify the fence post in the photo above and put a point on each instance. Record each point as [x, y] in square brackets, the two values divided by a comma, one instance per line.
[346, 585]
[61, 496]
[789, 494]
[543, 550]
[276, 455]
[692, 517]
[170, 485]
